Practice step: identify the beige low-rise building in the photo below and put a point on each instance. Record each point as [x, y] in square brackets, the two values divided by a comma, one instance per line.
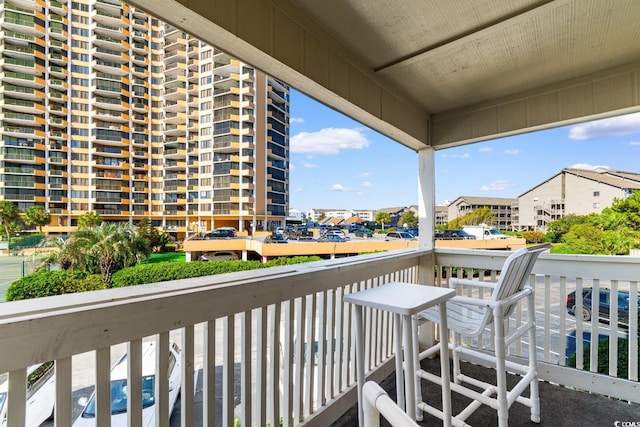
[573, 191]
[500, 206]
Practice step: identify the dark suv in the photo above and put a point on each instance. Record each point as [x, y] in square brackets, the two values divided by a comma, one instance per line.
[604, 306]
[221, 233]
[455, 235]
[300, 233]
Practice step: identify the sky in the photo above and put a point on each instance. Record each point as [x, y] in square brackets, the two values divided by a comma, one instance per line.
[338, 163]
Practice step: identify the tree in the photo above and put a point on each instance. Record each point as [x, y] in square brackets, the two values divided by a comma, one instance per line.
[383, 218]
[103, 249]
[36, 215]
[408, 218]
[558, 228]
[629, 207]
[483, 215]
[157, 240]
[8, 214]
[585, 239]
[89, 220]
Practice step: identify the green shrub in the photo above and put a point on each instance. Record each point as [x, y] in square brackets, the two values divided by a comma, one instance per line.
[562, 248]
[533, 236]
[292, 260]
[48, 283]
[603, 357]
[163, 271]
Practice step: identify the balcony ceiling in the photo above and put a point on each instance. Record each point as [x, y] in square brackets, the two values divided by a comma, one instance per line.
[436, 72]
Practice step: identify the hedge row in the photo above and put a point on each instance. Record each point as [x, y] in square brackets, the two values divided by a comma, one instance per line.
[603, 357]
[163, 271]
[48, 283]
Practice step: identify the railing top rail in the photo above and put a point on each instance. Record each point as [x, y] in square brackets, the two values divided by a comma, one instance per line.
[585, 266]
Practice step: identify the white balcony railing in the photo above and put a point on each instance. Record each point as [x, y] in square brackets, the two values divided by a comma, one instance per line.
[280, 341]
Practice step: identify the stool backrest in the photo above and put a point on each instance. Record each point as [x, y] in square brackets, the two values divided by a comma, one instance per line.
[515, 273]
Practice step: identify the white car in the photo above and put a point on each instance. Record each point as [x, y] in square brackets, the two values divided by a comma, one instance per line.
[41, 394]
[119, 388]
[399, 235]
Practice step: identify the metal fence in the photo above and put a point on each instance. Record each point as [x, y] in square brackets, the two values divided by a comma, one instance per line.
[14, 267]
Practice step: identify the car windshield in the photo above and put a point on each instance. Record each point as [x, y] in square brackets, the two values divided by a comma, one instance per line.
[119, 397]
[494, 231]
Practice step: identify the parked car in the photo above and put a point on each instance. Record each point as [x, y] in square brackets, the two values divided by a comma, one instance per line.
[604, 306]
[484, 232]
[332, 237]
[221, 233]
[334, 230]
[300, 233]
[456, 235]
[119, 390]
[399, 235]
[363, 232]
[276, 238]
[219, 256]
[41, 393]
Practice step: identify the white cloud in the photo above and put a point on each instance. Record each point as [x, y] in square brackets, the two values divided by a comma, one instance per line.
[292, 166]
[310, 166]
[367, 184]
[485, 150]
[340, 187]
[513, 151]
[360, 194]
[614, 126]
[328, 141]
[496, 185]
[299, 190]
[634, 143]
[457, 156]
[364, 175]
[587, 166]
[296, 120]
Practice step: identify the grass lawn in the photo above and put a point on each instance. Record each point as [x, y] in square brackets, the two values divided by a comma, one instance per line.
[166, 256]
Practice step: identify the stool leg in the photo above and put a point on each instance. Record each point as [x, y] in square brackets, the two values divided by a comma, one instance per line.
[397, 324]
[501, 370]
[409, 365]
[416, 378]
[444, 367]
[534, 394]
[359, 362]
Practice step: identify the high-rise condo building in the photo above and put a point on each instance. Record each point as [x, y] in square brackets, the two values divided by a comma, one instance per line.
[104, 108]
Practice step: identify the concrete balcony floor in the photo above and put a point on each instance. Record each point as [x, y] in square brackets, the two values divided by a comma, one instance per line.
[559, 406]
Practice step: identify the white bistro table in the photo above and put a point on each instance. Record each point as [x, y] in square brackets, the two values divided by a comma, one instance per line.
[404, 300]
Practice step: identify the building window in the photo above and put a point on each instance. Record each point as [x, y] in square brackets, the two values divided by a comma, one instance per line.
[596, 194]
[596, 205]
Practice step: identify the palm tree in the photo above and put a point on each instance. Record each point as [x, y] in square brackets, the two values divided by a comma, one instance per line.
[8, 214]
[117, 246]
[89, 219]
[382, 218]
[104, 249]
[36, 215]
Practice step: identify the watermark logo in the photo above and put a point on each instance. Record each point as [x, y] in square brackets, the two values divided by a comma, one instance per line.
[626, 423]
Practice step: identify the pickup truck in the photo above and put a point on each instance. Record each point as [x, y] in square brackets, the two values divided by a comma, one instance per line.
[300, 233]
